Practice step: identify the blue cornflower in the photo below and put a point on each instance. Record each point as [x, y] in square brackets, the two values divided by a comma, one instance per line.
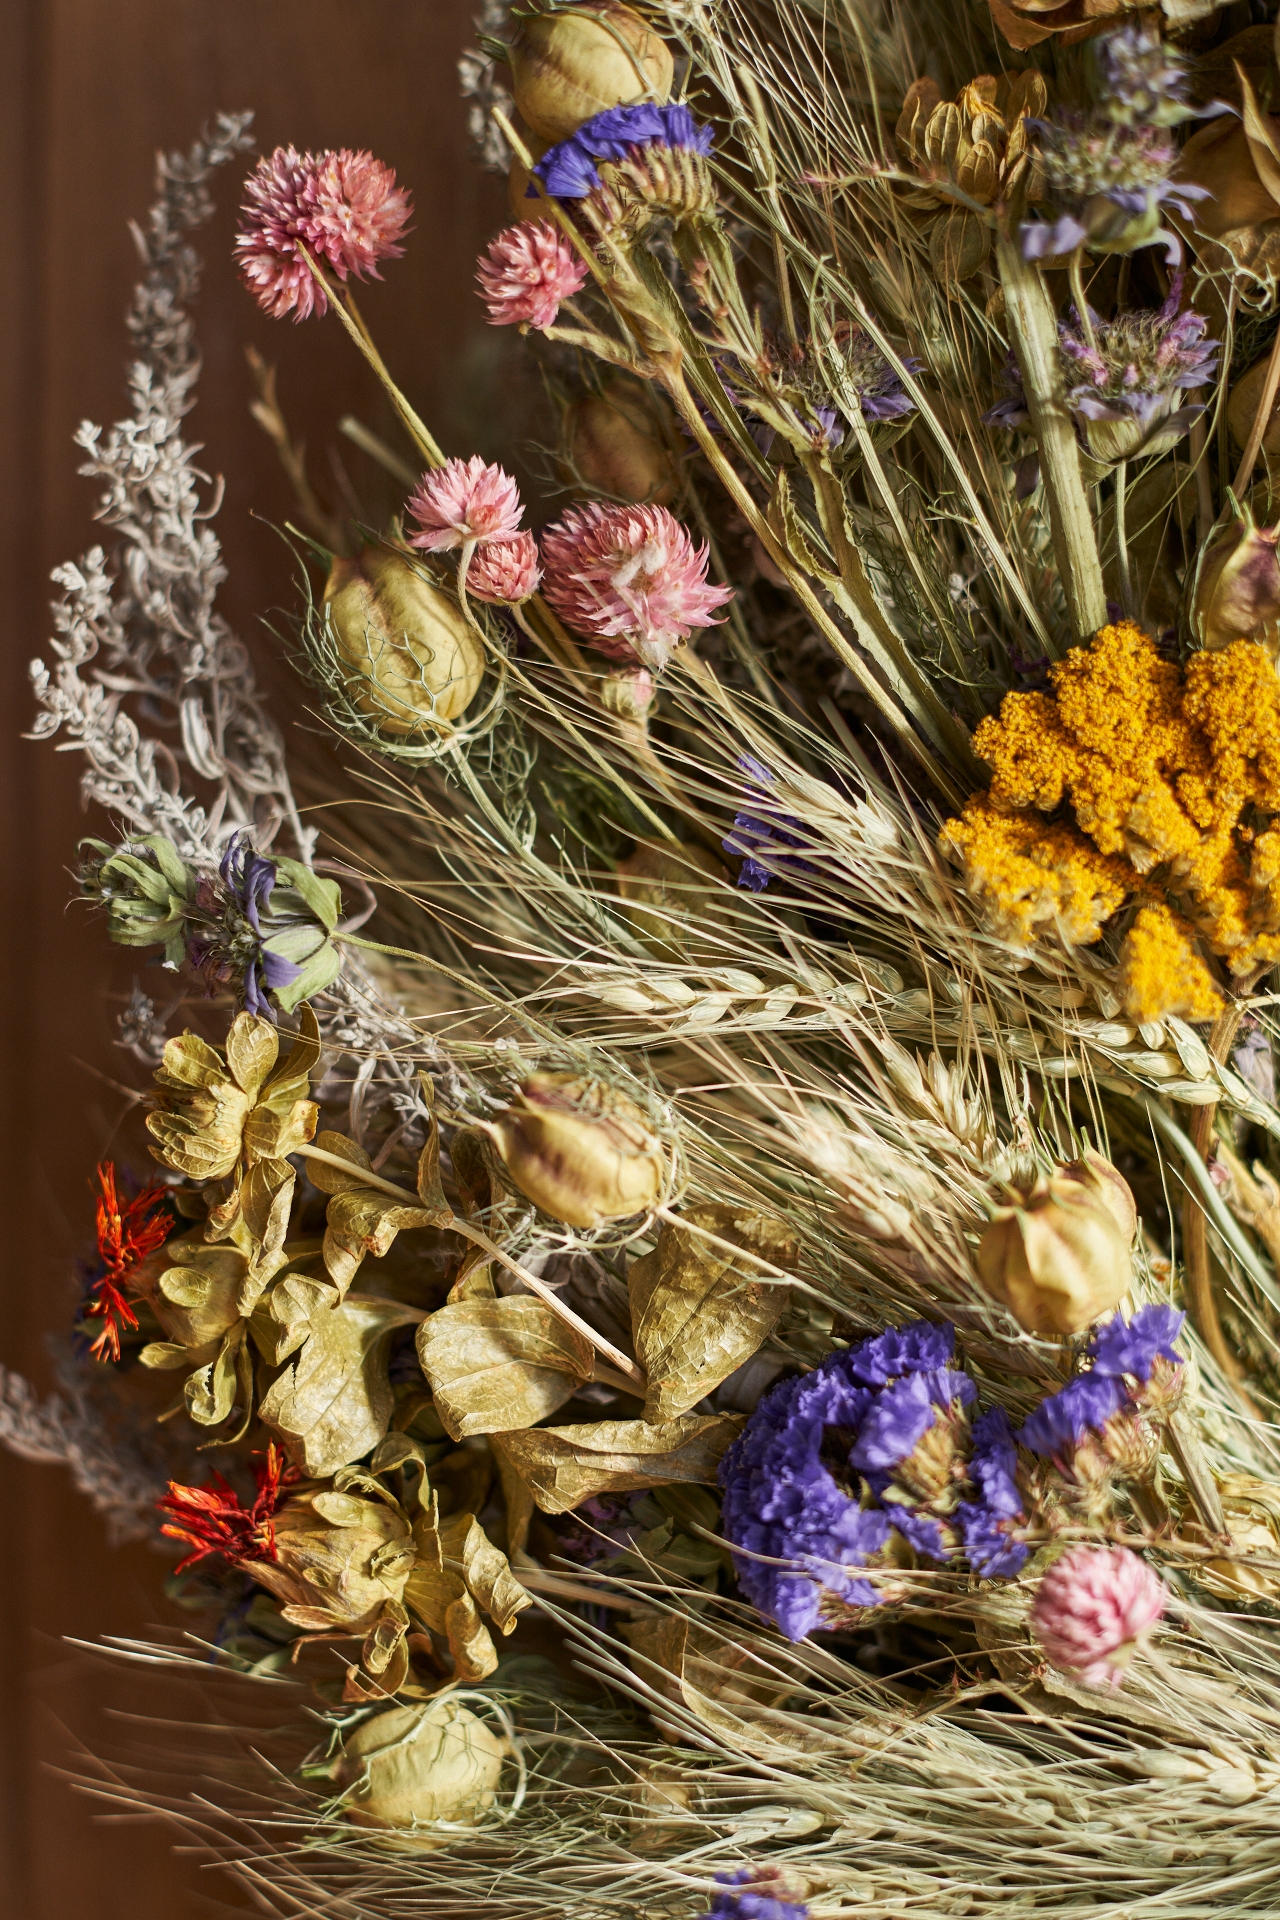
[1064, 1419]
[1132, 1347]
[571, 170]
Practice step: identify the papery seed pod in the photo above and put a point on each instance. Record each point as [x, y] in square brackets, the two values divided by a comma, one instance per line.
[610, 446]
[567, 67]
[662, 890]
[420, 1773]
[1242, 406]
[580, 1151]
[1058, 1262]
[1237, 589]
[959, 243]
[1095, 1173]
[410, 659]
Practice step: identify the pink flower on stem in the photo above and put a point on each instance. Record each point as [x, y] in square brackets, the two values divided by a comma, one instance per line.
[465, 503]
[1094, 1607]
[526, 274]
[629, 579]
[505, 571]
[343, 207]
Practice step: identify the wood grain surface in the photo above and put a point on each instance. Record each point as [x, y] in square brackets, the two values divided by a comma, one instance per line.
[89, 89]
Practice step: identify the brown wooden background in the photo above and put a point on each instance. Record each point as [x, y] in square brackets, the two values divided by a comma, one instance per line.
[88, 90]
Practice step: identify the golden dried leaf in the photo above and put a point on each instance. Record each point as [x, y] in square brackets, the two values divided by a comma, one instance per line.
[474, 1279]
[430, 1191]
[252, 1049]
[211, 1112]
[443, 1602]
[361, 1219]
[696, 1314]
[333, 1403]
[281, 1321]
[471, 1171]
[212, 1391]
[271, 1134]
[196, 1296]
[498, 1364]
[563, 1466]
[266, 1202]
[485, 1569]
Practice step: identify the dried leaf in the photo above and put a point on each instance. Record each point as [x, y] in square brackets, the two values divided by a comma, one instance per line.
[564, 1466]
[281, 1322]
[443, 1603]
[210, 1392]
[430, 1191]
[474, 1279]
[361, 1219]
[696, 1314]
[498, 1364]
[266, 1202]
[196, 1296]
[471, 1171]
[253, 1046]
[485, 1569]
[333, 1403]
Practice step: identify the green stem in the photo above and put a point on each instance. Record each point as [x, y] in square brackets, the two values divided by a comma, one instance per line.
[1076, 278]
[1034, 334]
[345, 308]
[1122, 539]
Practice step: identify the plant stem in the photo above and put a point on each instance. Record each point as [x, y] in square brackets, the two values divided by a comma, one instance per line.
[1122, 540]
[1034, 334]
[349, 314]
[479, 1238]
[1076, 278]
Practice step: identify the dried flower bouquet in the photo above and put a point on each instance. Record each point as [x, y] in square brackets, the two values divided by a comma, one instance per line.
[723, 1227]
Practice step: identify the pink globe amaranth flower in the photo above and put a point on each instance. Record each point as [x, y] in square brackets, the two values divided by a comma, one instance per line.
[343, 207]
[526, 274]
[630, 579]
[505, 571]
[1094, 1606]
[465, 501]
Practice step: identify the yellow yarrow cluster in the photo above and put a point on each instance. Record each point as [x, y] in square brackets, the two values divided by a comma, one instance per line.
[1166, 776]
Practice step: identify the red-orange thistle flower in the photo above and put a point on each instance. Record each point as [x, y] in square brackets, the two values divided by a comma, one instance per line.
[127, 1233]
[214, 1519]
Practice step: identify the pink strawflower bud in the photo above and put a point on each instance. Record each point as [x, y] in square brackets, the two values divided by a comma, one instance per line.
[505, 570]
[1094, 1607]
[465, 501]
[528, 271]
[630, 579]
[343, 207]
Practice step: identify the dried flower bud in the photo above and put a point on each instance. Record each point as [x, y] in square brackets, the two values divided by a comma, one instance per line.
[1237, 590]
[1058, 1262]
[413, 663]
[338, 1559]
[610, 447]
[421, 1772]
[567, 67]
[582, 1152]
[664, 887]
[1106, 1184]
[628, 694]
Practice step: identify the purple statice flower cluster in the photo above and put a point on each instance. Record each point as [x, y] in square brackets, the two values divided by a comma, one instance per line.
[832, 1463]
[753, 1894]
[1137, 367]
[571, 170]
[1133, 1365]
[754, 835]
[987, 1524]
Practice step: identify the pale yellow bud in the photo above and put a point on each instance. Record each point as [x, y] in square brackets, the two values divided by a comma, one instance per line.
[418, 1773]
[610, 446]
[410, 660]
[1107, 1185]
[663, 888]
[582, 1152]
[567, 67]
[1058, 1262]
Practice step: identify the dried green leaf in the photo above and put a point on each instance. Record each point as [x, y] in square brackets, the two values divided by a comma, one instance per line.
[333, 1403]
[498, 1364]
[361, 1219]
[333, 1179]
[196, 1296]
[474, 1279]
[266, 1202]
[485, 1569]
[210, 1392]
[281, 1321]
[252, 1049]
[443, 1602]
[564, 1466]
[430, 1191]
[471, 1171]
[696, 1313]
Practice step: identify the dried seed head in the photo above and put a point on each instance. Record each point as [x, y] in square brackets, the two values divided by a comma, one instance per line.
[1237, 592]
[421, 1772]
[411, 661]
[1058, 1262]
[610, 446]
[579, 1150]
[567, 67]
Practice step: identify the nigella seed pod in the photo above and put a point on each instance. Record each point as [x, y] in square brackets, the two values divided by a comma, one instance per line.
[579, 1150]
[1107, 1185]
[420, 1773]
[1058, 1262]
[409, 659]
[569, 66]
[664, 888]
[1237, 590]
[610, 447]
